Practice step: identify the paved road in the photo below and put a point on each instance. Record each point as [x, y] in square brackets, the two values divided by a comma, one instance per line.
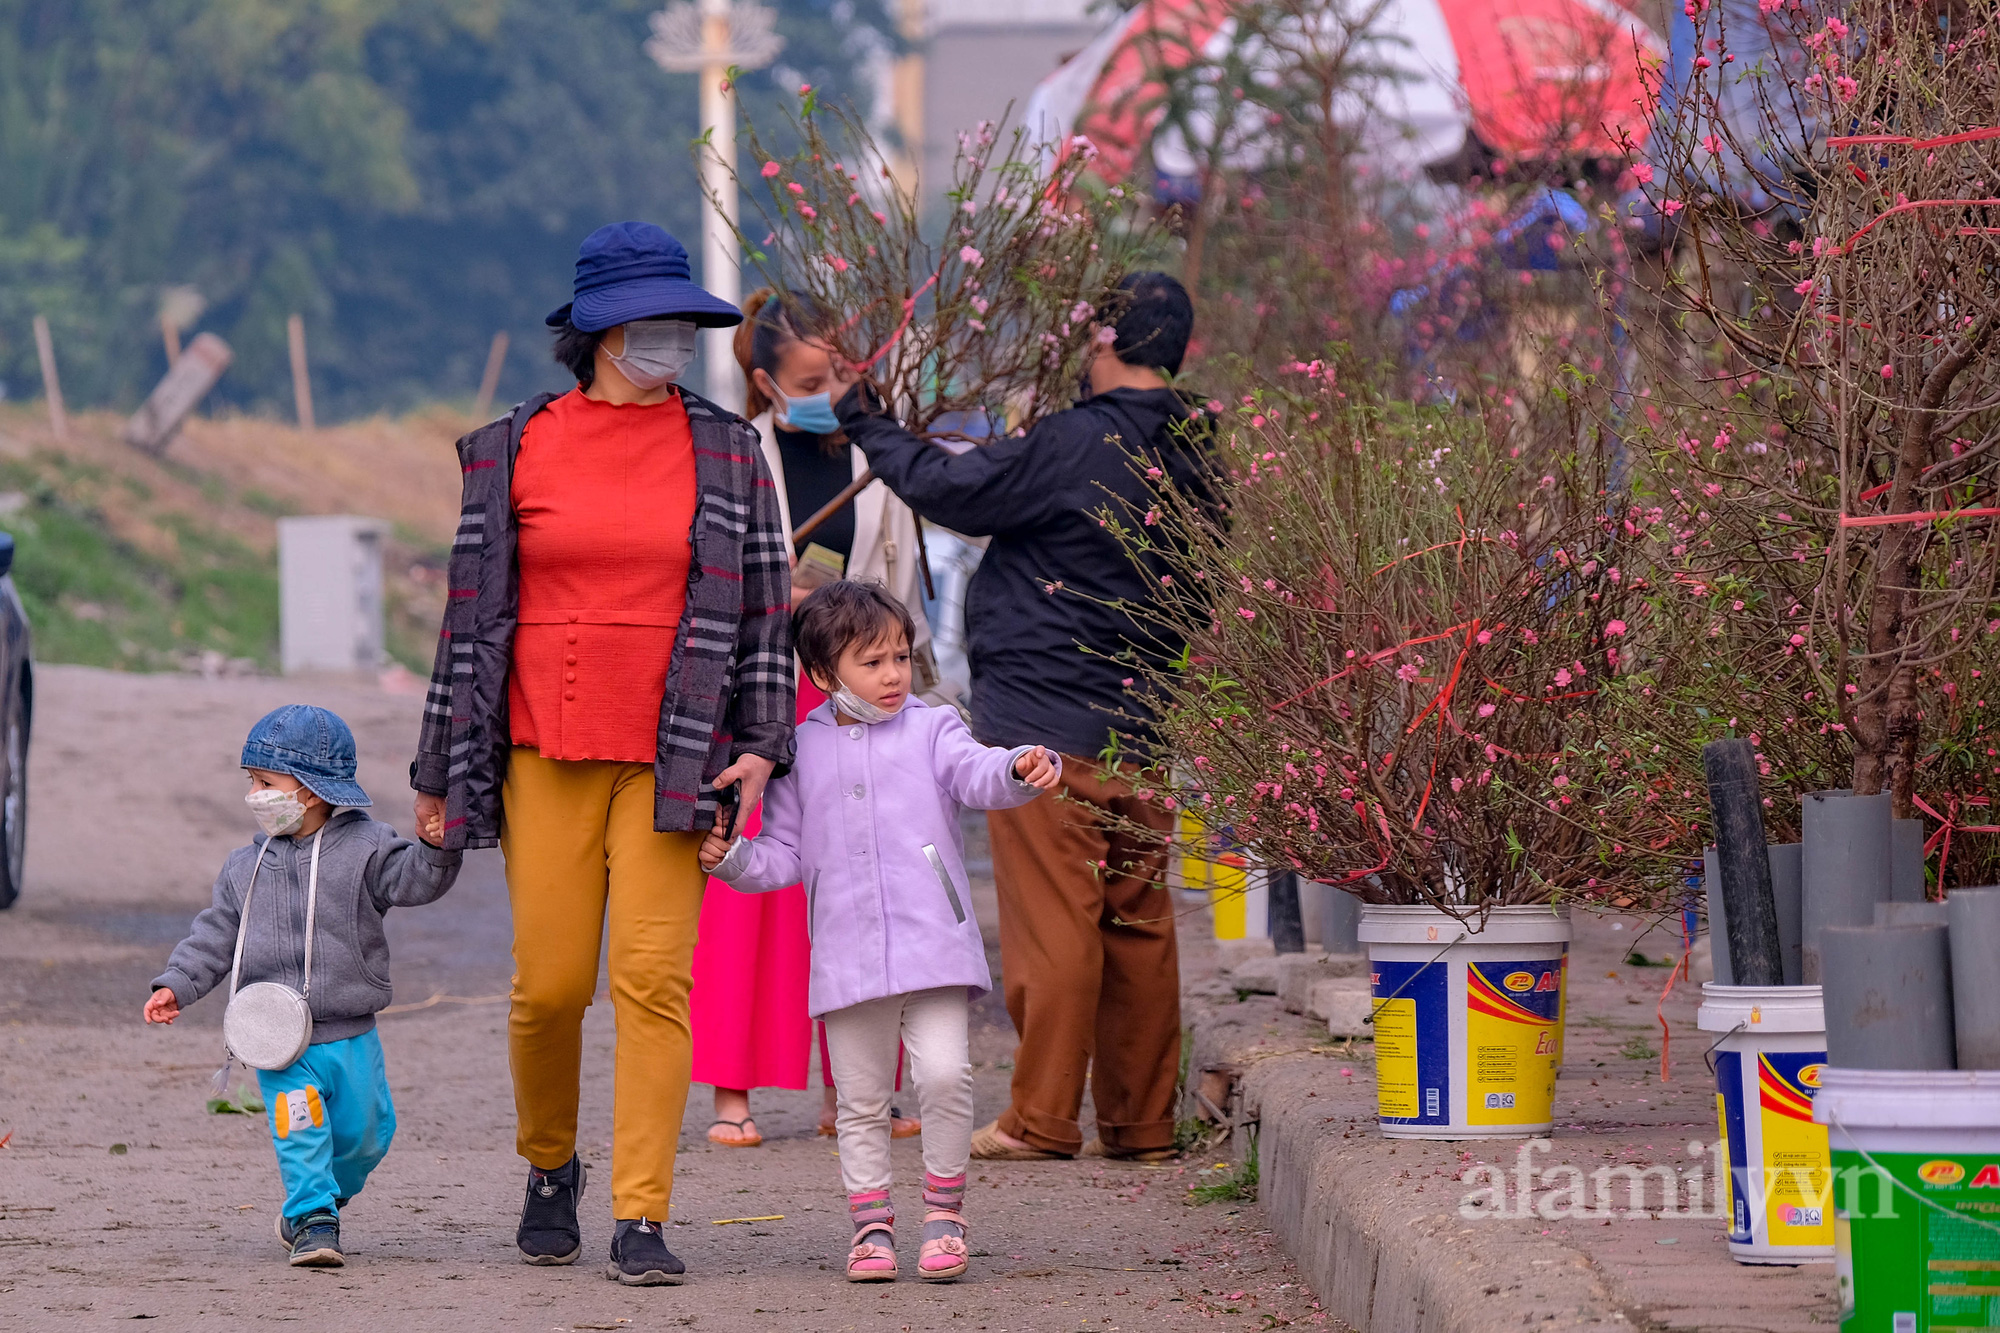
[121, 1198]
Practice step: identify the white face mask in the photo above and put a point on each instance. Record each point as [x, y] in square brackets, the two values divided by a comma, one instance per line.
[656, 351]
[858, 708]
[278, 812]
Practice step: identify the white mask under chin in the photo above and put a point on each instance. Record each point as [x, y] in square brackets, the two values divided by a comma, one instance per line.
[858, 708]
[656, 351]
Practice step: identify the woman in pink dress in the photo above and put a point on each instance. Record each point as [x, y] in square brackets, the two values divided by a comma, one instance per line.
[753, 955]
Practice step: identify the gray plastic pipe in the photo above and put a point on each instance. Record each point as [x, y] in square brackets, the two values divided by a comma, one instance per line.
[1784, 896]
[1845, 867]
[1888, 997]
[1786, 874]
[1339, 919]
[1911, 914]
[1718, 919]
[1743, 863]
[1906, 860]
[1975, 974]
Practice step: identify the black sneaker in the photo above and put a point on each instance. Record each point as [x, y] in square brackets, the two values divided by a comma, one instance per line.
[287, 1233]
[640, 1257]
[549, 1233]
[316, 1242]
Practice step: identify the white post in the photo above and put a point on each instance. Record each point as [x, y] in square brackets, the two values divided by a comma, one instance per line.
[720, 271]
[45, 348]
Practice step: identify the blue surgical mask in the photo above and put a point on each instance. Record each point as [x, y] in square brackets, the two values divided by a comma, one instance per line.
[812, 414]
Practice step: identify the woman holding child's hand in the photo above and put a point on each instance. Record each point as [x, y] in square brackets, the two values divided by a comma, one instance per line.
[616, 647]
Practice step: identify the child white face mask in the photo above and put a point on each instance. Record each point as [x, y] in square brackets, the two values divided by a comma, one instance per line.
[277, 812]
[858, 708]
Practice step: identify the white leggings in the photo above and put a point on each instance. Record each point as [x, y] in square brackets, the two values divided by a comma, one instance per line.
[861, 1043]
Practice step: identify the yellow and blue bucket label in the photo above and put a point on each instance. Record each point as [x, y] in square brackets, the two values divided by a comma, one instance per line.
[1472, 1045]
[1780, 1171]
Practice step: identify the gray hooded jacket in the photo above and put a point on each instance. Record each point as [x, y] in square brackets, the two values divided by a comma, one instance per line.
[365, 868]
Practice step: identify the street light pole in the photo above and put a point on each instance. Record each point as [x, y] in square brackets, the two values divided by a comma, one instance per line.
[721, 264]
[706, 39]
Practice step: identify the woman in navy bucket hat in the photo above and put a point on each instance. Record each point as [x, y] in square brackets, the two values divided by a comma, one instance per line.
[616, 648]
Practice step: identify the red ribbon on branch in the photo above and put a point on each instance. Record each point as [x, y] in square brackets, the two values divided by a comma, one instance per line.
[1915, 516]
[1911, 206]
[1948, 823]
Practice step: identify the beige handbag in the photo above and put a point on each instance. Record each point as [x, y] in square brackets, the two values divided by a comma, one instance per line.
[268, 1025]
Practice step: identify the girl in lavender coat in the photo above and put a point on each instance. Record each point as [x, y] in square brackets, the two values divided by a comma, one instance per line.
[868, 820]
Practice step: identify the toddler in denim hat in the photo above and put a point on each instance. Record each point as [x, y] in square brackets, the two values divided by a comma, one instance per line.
[331, 1116]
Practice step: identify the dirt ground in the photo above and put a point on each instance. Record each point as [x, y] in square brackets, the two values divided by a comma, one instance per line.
[121, 1198]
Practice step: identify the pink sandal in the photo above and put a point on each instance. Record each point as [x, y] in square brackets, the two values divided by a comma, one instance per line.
[867, 1261]
[944, 1258]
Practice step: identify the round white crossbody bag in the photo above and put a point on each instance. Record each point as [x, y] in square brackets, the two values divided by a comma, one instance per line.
[268, 1025]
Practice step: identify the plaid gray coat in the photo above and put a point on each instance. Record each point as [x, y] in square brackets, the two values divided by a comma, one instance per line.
[730, 689]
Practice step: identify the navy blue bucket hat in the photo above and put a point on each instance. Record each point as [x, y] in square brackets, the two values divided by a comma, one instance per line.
[635, 270]
[311, 744]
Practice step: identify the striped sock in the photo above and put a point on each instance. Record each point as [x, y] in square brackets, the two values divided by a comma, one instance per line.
[947, 1192]
[870, 1210]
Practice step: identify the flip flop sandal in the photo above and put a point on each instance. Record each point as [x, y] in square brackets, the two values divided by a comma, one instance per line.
[903, 1127]
[988, 1146]
[943, 1258]
[751, 1137]
[869, 1262]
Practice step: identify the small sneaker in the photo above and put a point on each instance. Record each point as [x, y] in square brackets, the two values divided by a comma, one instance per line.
[549, 1233]
[640, 1257]
[316, 1242]
[287, 1233]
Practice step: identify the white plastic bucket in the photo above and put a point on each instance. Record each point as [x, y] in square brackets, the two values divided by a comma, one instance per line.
[1916, 1166]
[1468, 1019]
[1767, 1072]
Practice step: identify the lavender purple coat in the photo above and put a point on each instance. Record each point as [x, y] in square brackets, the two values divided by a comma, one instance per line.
[867, 819]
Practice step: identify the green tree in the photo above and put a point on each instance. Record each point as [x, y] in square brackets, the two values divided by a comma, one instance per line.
[411, 177]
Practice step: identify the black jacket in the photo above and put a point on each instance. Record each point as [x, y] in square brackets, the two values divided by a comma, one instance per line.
[1044, 643]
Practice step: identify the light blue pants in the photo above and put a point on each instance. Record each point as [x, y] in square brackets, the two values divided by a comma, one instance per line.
[331, 1121]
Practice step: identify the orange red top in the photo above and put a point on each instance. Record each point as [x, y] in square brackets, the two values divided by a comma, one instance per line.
[604, 502]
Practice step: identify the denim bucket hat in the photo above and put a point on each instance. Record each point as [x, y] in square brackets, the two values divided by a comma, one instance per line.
[313, 745]
[635, 270]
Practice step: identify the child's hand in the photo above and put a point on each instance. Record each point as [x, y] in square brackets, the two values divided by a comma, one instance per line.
[162, 1007]
[1036, 769]
[430, 818]
[713, 848]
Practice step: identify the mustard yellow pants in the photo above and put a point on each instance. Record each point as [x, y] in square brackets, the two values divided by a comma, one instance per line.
[579, 841]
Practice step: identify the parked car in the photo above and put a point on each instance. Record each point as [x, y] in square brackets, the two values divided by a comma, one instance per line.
[17, 707]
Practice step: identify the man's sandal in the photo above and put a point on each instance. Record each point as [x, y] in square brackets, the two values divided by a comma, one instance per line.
[988, 1146]
[750, 1137]
[870, 1262]
[943, 1258]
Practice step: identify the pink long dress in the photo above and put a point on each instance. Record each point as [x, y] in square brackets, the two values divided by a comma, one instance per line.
[751, 963]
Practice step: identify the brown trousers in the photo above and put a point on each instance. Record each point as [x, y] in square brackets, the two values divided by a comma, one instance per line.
[1090, 967]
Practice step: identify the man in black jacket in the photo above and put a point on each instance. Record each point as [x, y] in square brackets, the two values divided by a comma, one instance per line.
[1090, 969]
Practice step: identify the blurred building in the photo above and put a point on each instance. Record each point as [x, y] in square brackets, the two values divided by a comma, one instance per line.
[971, 58]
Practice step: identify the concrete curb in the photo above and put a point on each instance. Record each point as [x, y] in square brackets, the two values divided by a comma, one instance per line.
[1376, 1225]
[1384, 1257]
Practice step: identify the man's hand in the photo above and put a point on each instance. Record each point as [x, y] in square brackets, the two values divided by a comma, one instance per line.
[430, 818]
[162, 1007]
[1036, 769]
[753, 771]
[713, 848]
